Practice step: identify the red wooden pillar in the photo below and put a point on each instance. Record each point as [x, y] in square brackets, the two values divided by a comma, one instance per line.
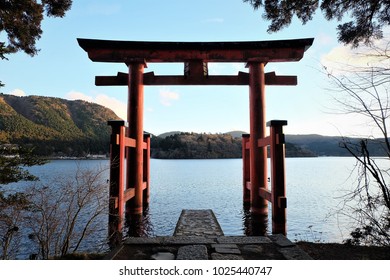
[146, 172]
[246, 168]
[116, 205]
[279, 200]
[121, 187]
[135, 131]
[258, 156]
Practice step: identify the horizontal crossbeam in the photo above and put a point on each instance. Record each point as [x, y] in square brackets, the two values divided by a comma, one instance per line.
[123, 51]
[266, 194]
[130, 192]
[121, 79]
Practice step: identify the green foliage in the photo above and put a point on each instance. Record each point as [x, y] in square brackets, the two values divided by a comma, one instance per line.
[12, 200]
[298, 151]
[196, 146]
[318, 145]
[12, 160]
[21, 21]
[367, 17]
[184, 145]
[3, 50]
[56, 127]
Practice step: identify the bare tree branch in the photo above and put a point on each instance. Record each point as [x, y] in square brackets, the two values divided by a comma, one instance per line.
[364, 91]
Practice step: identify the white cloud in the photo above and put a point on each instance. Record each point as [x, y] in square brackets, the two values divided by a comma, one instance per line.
[333, 124]
[119, 107]
[324, 39]
[343, 57]
[167, 96]
[75, 95]
[17, 92]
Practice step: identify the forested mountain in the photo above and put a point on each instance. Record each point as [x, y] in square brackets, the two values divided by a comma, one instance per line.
[331, 145]
[55, 126]
[228, 145]
[186, 145]
[59, 127]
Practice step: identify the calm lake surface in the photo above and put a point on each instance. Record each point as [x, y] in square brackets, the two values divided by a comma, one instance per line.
[314, 186]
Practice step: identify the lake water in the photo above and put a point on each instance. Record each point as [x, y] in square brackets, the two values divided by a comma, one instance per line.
[313, 188]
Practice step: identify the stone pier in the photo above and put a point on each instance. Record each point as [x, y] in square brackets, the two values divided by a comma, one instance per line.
[198, 236]
[198, 223]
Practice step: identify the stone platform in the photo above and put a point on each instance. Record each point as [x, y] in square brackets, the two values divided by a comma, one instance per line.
[198, 223]
[198, 236]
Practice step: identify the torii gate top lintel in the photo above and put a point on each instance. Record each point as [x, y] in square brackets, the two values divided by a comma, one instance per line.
[195, 56]
[245, 51]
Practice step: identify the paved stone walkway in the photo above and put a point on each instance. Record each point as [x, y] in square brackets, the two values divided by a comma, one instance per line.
[198, 223]
[198, 236]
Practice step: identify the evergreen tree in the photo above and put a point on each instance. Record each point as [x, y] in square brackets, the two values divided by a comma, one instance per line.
[12, 160]
[21, 21]
[368, 18]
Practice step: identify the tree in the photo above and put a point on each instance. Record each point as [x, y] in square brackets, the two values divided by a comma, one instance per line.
[12, 206]
[363, 90]
[12, 209]
[12, 160]
[68, 212]
[367, 17]
[21, 21]
[57, 217]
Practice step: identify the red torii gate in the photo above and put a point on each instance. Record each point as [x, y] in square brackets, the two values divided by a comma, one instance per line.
[195, 56]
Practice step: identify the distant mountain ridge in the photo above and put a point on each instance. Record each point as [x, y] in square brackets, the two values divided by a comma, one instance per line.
[319, 144]
[190, 145]
[331, 145]
[60, 127]
[311, 145]
[55, 126]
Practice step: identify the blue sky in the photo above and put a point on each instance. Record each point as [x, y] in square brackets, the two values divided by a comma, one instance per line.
[62, 69]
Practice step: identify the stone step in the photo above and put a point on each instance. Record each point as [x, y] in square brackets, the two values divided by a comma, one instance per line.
[192, 252]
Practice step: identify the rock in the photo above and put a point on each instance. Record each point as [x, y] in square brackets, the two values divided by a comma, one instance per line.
[192, 252]
[226, 249]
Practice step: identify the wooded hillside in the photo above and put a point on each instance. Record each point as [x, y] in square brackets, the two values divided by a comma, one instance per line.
[55, 126]
[185, 145]
[59, 127]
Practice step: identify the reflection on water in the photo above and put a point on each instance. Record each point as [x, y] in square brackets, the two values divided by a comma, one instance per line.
[312, 187]
[254, 225]
[139, 225]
